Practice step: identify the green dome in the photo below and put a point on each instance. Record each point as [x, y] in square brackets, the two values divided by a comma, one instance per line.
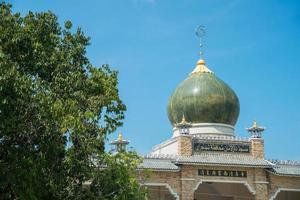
[203, 98]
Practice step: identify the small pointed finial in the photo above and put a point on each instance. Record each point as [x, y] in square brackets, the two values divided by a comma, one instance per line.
[120, 137]
[200, 33]
[183, 119]
[183, 126]
[254, 124]
[183, 122]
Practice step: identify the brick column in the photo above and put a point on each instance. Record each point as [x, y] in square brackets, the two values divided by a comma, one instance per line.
[184, 145]
[257, 147]
[261, 191]
[187, 190]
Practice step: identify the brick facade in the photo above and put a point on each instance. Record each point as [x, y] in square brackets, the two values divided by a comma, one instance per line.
[260, 183]
[257, 147]
[184, 145]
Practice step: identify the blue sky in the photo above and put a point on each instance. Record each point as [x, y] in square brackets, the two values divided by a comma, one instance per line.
[254, 46]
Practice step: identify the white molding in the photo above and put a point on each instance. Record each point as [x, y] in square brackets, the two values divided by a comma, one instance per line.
[216, 129]
[251, 190]
[283, 189]
[286, 175]
[222, 165]
[164, 185]
[187, 179]
[160, 170]
[163, 144]
[261, 182]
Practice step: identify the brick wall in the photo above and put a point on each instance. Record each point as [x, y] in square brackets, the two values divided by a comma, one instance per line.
[184, 182]
[184, 145]
[276, 182]
[257, 147]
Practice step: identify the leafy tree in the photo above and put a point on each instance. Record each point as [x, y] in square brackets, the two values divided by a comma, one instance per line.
[56, 110]
[122, 183]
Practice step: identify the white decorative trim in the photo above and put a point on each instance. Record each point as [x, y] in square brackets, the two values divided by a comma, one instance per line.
[207, 129]
[283, 189]
[268, 161]
[163, 144]
[285, 162]
[261, 182]
[251, 190]
[222, 165]
[187, 179]
[222, 137]
[160, 170]
[164, 185]
[286, 175]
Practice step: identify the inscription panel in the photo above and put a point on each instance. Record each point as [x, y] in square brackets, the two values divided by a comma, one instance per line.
[205, 146]
[223, 173]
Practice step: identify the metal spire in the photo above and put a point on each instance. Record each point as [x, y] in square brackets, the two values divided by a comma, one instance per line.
[200, 33]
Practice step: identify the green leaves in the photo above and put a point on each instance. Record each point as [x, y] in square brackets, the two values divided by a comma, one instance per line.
[68, 24]
[116, 178]
[56, 110]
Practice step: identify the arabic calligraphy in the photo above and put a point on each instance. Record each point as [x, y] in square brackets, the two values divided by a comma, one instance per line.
[242, 148]
[228, 173]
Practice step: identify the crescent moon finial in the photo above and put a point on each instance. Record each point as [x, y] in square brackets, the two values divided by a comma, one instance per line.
[200, 33]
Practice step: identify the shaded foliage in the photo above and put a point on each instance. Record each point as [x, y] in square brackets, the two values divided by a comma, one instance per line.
[121, 168]
[56, 110]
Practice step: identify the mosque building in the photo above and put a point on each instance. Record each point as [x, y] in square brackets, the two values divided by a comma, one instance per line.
[204, 159]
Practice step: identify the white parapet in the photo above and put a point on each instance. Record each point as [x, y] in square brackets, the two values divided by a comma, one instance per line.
[207, 129]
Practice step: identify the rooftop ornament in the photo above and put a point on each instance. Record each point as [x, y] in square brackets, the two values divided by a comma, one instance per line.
[201, 67]
[119, 145]
[255, 130]
[200, 33]
[183, 126]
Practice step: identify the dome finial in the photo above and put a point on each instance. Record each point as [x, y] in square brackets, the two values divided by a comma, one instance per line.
[201, 68]
[200, 33]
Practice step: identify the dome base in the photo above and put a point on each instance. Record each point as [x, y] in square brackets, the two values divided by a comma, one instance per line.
[207, 129]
